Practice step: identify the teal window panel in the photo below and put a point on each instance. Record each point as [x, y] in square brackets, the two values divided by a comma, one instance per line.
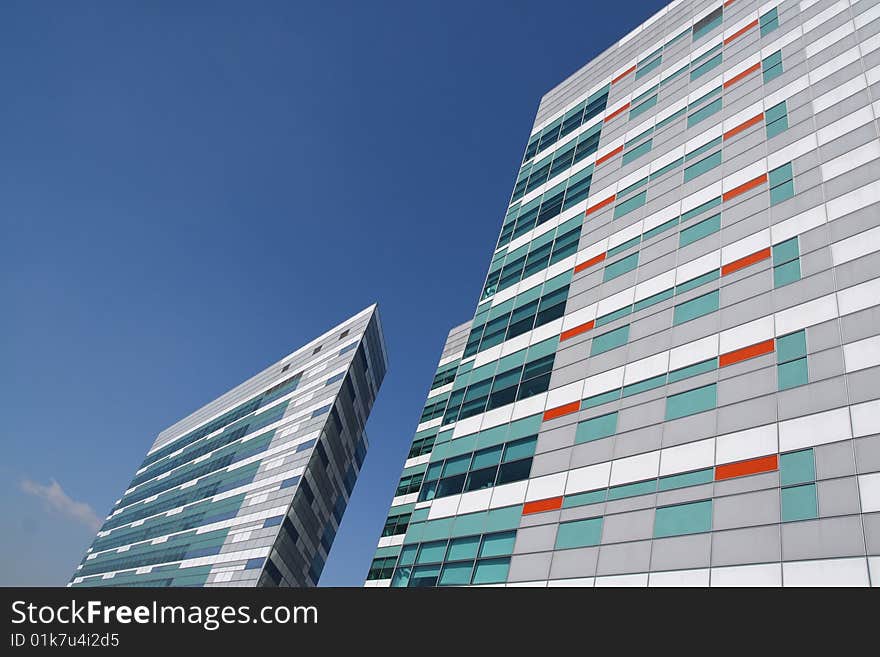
[520, 449]
[580, 499]
[631, 490]
[579, 533]
[414, 532]
[666, 169]
[418, 515]
[686, 479]
[700, 209]
[431, 552]
[702, 305]
[705, 148]
[705, 67]
[497, 545]
[408, 555]
[781, 184]
[776, 119]
[456, 574]
[662, 228]
[642, 386]
[596, 428]
[642, 107]
[691, 402]
[704, 113]
[491, 571]
[505, 518]
[791, 346]
[620, 267]
[610, 317]
[705, 25]
[469, 523]
[630, 204]
[703, 166]
[401, 577]
[536, 351]
[700, 230]
[653, 299]
[786, 251]
[635, 153]
[799, 503]
[693, 370]
[463, 548]
[691, 518]
[769, 21]
[647, 68]
[610, 340]
[792, 374]
[620, 248]
[787, 273]
[487, 457]
[429, 573]
[601, 398]
[437, 529]
[772, 66]
[797, 467]
[675, 116]
[456, 465]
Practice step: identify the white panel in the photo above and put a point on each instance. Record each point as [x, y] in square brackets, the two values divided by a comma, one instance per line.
[862, 354]
[662, 216]
[591, 477]
[515, 344]
[856, 246]
[578, 317]
[815, 429]
[865, 418]
[744, 175]
[797, 225]
[592, 251]
[467, 426]
[530, 406]
[654, 285]
[874, 562]
[693, 352]
[635, 468]
[497, 416]
[603, 382]
[646, 368]
[743, 115]
[791, 152]
[443, 507]
[575, 582]
[840, 92]
[846, 124]
[665, 159]
[640, 579]
[748, 444]
[508, 293]
[869, 491]
[565, 394]
[541, 488]
[858, 297]
[806, 314]
[746, 334]
[765, 574]
[703, 138]
[698, 198]
[679, 578]
[690, 456]
[851, 160]
[826, 572]
[746, 246]
[488, 355]
[697, 267]
[508, 494]
[475, 500]
[630, 232]
[829, 39]
[530, 585]
[616, 301]
[550, 330]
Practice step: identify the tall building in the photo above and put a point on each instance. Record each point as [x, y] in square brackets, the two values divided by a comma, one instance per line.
[250, 489]
[673, 373]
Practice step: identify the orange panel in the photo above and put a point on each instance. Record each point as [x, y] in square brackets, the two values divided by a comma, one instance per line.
[736, 265]
[609, 155]
[559, 411]
[542, 505]
[616, 112]
[601, 204]
[577, 330]
[745, 353]
[624, 74]
[744, 126]
[736, 78]
[727, 3]
[586, 264]
[736, 191]
[739, 33]
[752, 466]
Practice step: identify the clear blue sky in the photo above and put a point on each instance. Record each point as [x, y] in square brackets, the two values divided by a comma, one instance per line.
[189, 191]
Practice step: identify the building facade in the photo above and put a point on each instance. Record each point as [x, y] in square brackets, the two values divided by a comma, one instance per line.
[250, 489]
[672, 376]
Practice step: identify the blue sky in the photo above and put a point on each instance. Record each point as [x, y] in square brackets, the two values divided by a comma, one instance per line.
[189, 191]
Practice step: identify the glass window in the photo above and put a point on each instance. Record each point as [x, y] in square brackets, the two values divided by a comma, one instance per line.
[497, 545]
[776, 119]
[797, 467]
[791, 346]
[491, 571]
[787, 273]
[693, 370]
[799, 503]
[708, 23]
[701, 167]
[621, 267]
[579, 533]
[691, 402]
[431, 552]
[635, 153]
[463, 548]
[687, 479]
[704, 113]
[702, 305]
[596, 428]
[642, 107]
[609, 340]
[630, 204]
[700, 230]
[424, 576]
[456, 574]
[514, 471]
[781, 184]
[792, 374]
[769, 21]
[705, 67]
[682, 519]
[772, 66]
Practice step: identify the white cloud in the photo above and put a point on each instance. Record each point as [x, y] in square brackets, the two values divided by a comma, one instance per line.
[57, 500]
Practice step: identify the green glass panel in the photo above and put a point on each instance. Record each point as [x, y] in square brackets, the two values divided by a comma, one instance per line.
[620, 248]
[504, 518]
[791, 346]
[621, 267]
[706, 67]
[596, 428]
[647, 68]
[418, 515]
[520, 449]
[776, 119]
[698, 281]
[786, 251]
[485, 458]
[431, 552]
[654, 298]
[787, 273]
[682, 519]
[772, 66]
[579, 499]
[643, 107]
[491, 571]
[456, 574]
[601, 398]
[701, 167]
[497, 545]
[463, 548]
[456, 465]
[631, 490]
[799, 503]
[610, 317]
[702, 305]
[414, 532]
[792, 374]
[525, 427]
[635, 140]
[691, 402]
[693, 370]
[469, 523]
[609, 340]
[769, 21]
[543, 348]
[579, 533]
[687, 479]
[435, 529]
[797, 467]
[704, 113]
[642, 386]
[700, 230]
[630, 204]
[408, 555]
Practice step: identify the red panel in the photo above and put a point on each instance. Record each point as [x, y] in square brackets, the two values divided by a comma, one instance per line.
[736, 191]
[559, 411]
[752, 466]
[736, 265]
[616, 112]
[624, 74]
[739, 76]
[601, 204]
[609, 155]
[745, 353]
[586, 264]
[727, 3]
[542, 505]
[577, 330]
[744, 126]
[739, 33]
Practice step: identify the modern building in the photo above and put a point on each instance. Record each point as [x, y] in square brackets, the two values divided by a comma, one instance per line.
[672, 376]
[250, 489]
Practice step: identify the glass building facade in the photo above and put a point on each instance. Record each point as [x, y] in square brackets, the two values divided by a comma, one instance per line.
[250, 489]
[672, 376]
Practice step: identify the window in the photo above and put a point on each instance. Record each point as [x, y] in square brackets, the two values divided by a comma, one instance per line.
[786, 262]
[421, 446]
[456, 574]
[646, 68]
[683, 519]
[596, 428]
[781, 184]
[702, 305]
[695, 478]
[621, 267]
[381, 568]
[772, 66]
[701, 167]
[769, 21]
[698, 281]
[693, 370]
[343, 335]
[316, 350]
[497, 545]
[286, 367]
[799, 503]
[708, 23]
[642, 107]
[691, 402]
[630, 204]
[409, 484]
[635, 153]
[705, 67]
[579, 533]
[491, 571]
[704, 112]
[444, 376]
[609, 340]
[791, 358]
[797, 467]
[700, 230]
[776, 119]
